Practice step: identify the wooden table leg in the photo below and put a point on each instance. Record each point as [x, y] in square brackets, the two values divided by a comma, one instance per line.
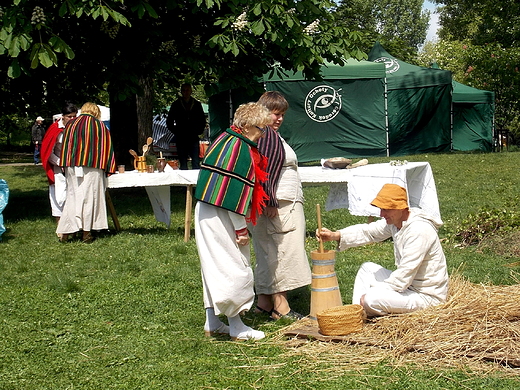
[112, 211]
[187, 215]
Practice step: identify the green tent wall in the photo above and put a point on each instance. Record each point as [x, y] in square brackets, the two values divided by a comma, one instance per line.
[419, 105]
[342, 115]
[473, 118]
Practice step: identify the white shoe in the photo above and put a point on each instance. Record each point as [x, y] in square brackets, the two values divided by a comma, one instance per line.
[222, 329]
[249, 334]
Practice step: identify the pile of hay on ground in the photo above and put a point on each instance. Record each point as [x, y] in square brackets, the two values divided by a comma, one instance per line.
[478, 323]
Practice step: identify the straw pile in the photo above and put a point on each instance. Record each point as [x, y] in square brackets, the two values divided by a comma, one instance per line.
[478, 323]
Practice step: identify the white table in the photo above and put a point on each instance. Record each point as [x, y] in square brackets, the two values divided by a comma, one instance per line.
[157, 186]
[356, 188]
[349, 188]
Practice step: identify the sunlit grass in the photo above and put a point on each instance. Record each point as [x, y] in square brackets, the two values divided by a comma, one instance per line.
[126, 311]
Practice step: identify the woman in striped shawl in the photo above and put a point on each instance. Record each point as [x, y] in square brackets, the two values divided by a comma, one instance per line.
[229, 193]
[87, 156]
[279, 235]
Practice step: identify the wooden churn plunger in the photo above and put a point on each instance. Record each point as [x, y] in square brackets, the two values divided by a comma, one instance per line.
[324, 285]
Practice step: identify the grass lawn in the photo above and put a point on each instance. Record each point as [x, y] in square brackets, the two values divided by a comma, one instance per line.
[125, 312]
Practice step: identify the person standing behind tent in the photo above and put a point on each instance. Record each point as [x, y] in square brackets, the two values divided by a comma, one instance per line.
[37, 133]
[279, 235]
[186, 120]
[228, 190]
[50, 154]
[87, 155]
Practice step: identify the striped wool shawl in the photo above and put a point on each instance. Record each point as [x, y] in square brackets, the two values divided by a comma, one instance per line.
[87, 142]
[227, 174]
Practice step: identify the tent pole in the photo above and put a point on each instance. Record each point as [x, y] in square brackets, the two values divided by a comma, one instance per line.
[386, 120]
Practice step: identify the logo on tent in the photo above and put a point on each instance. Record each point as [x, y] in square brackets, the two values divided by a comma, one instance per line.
[323, 103]
[391, 64]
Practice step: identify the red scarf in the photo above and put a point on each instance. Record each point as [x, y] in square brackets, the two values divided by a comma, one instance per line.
[260, 197]
[47, 147]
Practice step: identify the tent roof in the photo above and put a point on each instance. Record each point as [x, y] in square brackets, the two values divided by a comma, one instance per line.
[400, 74]
[466, 94]
[353, 69]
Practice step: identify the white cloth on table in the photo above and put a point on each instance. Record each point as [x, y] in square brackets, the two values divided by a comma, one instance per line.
[227, 276]
[160, 199]
[85, 208]
[360, 186]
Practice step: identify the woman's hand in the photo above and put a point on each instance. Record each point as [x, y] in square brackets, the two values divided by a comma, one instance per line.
[242, 237]
[327, 235]
[270, 211]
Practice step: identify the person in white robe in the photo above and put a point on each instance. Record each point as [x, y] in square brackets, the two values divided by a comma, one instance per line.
[420, 279]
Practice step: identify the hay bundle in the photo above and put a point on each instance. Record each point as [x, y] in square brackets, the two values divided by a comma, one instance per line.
[477, 323]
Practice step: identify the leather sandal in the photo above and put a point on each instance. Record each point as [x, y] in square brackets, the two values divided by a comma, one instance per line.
[292, 315]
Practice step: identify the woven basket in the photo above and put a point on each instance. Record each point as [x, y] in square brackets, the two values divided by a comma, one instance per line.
[340, 320]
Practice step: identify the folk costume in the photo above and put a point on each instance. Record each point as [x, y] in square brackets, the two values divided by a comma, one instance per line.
[229, 192]
[279, 242]
[421, 277]
[87, 155]
[50, 154]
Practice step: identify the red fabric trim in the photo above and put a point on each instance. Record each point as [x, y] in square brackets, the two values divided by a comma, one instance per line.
[260, 197]
[47, 147]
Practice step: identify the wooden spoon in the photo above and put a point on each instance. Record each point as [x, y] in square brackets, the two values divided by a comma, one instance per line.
[149, 141]
[145, 149]
[133, 153]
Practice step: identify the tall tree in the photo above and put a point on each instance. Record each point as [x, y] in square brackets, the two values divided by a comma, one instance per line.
[399, 25]
[480, 21]
[132, 46]
[480, 45]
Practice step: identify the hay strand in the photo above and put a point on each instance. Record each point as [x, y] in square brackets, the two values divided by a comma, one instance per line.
[477, 324]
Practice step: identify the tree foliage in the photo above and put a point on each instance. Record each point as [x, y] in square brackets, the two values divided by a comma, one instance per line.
[480, 45]
[72, 49]
[399, 25]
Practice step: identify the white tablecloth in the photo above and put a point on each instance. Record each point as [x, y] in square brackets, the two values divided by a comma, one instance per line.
[349, 188]
[157, 187]
[356, 188]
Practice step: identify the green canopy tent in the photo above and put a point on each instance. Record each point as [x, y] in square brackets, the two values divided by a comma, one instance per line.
[473, 118]
[419, 104]
[343, 115]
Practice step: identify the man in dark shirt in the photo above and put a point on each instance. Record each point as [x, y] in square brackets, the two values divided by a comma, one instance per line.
[186, 120]
[37, 133]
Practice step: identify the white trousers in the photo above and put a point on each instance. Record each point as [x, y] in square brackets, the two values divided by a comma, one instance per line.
[227, 276]
[380, 299]
[58, 194]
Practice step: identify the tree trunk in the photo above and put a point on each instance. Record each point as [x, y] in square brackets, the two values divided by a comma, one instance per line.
[144, 111]
[123, 128]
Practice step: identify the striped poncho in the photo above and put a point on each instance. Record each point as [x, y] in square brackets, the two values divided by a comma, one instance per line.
[87, 142]
[231, 174]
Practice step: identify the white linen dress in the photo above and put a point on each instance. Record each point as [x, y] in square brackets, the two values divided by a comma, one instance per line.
[85, 208]
[227, 276]
[279, 243]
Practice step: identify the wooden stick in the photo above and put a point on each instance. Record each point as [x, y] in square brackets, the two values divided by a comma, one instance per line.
[318, 213]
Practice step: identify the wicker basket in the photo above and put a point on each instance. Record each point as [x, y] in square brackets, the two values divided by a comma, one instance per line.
[341, 320]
